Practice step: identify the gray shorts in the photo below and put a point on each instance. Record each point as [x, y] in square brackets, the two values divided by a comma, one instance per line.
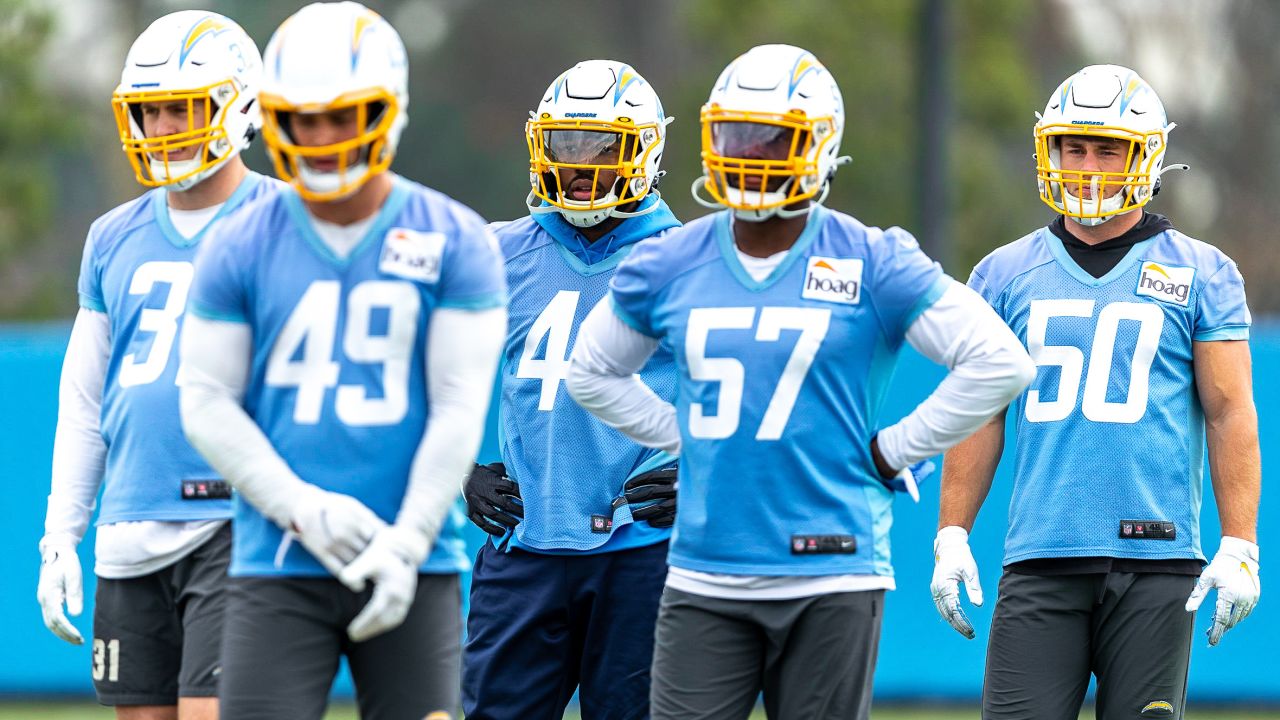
[813, 657]
[1049, 633]
[285, 635]
[156, 637]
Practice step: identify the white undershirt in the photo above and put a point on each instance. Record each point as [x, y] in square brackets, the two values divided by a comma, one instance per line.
[759, 267]
[342, 239]
[189, 223]
[988, 368]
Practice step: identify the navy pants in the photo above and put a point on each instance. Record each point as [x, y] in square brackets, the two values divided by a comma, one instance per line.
[540, 626]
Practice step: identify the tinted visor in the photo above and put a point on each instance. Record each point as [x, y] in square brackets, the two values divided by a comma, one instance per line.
[583, 147]
[754, 141]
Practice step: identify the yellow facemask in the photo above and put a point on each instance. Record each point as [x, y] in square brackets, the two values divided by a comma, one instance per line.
[372, 154]
[590, 146]
[1094, 194]
[150, 156]
[749, 157]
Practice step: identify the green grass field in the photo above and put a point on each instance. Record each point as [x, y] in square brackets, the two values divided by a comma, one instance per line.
[84, 711]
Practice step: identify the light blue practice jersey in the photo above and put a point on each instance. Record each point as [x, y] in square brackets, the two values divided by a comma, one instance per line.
[1110, 435]
[570, 466]
[137, 269]
[338, 381]
[780, 384]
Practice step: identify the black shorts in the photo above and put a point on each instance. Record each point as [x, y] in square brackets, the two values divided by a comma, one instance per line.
[813, 657]
[285, 635]
[157, 637]
[1050, 633]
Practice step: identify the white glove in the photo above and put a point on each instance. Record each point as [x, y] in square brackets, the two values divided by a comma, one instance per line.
[1234, 572]
[953, 563]
[60, 580]
[333, 527]
[391, 562]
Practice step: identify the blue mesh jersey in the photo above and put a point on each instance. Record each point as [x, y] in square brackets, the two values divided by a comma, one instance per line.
[1110, 435]
[780, 384]
[137, 269]
[338, 383]
[570, 466]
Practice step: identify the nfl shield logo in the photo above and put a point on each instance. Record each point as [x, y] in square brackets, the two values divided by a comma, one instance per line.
[797, 545]
[1127, 528]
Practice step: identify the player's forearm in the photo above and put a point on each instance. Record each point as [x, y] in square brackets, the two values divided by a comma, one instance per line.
[989, 368]
[967, 472]
[463, 353]
[602, 379]
[1223, 373]
[215, 367]
[1236, 469]
[79, 452]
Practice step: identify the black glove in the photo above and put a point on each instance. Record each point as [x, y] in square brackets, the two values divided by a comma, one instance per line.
[644, 489]
[493, 500]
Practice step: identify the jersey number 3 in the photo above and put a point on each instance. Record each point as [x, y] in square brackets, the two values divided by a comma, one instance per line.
[1070, 360]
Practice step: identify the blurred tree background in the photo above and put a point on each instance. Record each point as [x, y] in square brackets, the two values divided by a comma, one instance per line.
[939, 96]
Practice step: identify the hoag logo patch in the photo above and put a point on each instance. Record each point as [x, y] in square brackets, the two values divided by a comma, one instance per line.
[1168, 283]
[412, 254]
[837, 280]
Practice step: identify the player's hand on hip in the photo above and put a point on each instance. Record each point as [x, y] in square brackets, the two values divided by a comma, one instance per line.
[652, 497]
[493, 499]
[910, 478]
[953, 563]
[333, 527]
[1234, 572]
[391, 563]
[61, 581]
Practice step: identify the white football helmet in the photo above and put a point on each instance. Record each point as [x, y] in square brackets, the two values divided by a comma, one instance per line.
[598, 116]
[771, 134]
[328, 57]
[207, 61]
[1102, 101]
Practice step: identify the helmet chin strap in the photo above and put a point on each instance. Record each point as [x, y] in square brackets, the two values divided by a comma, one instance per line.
[591, 218]
[327, 182]
[181, 167]
[764, 214]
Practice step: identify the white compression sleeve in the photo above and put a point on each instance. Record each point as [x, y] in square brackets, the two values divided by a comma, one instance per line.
[79, 452]
[602, 379]
[214, 373]
[463, 349]
[988, 365]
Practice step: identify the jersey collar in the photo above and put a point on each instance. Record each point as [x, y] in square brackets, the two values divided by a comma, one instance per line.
[1059, 252]
[724, 238]
[387, 214]
[160, 206]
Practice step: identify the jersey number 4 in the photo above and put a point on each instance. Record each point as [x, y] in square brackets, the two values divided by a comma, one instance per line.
[1070, 361]
[555, 323]
[302, 356]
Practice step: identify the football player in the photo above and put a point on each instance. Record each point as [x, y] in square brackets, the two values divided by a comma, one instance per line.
[343, 342]
[567, 593]
[185, 109]
[785, 318]
[1140, 334]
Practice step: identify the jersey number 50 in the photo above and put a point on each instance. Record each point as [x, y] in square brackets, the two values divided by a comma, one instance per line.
[1071, 361]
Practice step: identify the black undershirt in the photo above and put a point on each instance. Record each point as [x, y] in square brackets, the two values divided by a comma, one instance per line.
[1098, 260]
